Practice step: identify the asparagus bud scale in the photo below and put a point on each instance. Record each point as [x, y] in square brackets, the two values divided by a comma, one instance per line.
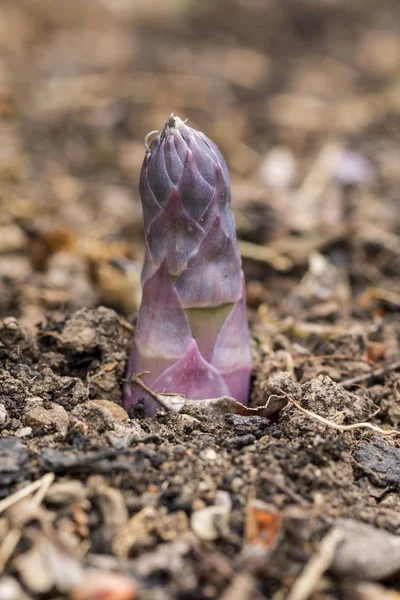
[192, 333]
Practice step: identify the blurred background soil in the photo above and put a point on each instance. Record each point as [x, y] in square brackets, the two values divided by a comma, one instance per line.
[303, 98]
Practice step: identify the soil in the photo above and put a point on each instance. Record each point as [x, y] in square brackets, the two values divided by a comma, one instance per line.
[302, 97]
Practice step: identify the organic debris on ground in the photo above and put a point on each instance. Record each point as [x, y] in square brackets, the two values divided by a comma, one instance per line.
[297, 496]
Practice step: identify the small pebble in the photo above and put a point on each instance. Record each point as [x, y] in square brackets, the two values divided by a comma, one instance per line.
[278, 170]
[237, 484]
[208, 522]
[240, 441]
[118, 413]
[209, 454]
[50, 415]
[24, 432]
[66, 492]
[10, 589]
[99, 414]
[203, 522]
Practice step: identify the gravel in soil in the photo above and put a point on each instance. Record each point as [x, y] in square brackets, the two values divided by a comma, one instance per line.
[185, 504]
[99, 503]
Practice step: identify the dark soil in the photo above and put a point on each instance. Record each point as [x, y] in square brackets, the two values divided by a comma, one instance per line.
[302, 97]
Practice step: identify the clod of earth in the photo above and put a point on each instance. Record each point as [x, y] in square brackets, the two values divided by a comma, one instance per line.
[379, 461]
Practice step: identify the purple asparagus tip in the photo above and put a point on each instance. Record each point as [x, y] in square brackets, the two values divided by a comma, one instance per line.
[191, 334]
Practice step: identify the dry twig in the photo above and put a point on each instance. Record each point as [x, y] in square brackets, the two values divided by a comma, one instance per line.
[375, 373]
[282, 487]
[43, 483]
[362, 425]
[316, 358]
[265, 254]
[135, 378]
[10, 541]
[318, 564]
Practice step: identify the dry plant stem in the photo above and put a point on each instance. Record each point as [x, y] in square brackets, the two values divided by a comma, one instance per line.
[125, 324]
[285, 253]
[285, 489]
[389, 241]
[299, 249]
[316, 567]
[12, 538]
[8, 546]
[106, 369]
[43, 483]
[321, 171]
[136, 379]
[363, 425]
[319, 357]
[382, 294]
[265, 254]
[46, 483]
[374, 373]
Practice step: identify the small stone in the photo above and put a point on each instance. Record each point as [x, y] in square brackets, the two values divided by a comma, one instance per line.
[118, 413]
[209, 454]
[11, 590]
[99, 414]
[244, 425]
[379, 461]
[24, 432]
[208, 523]
[66, 492]
[240, 441]
[278, 169]
[375, 559]
[203, 522]
[237, 484]
[49, 415]
[81, 427]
